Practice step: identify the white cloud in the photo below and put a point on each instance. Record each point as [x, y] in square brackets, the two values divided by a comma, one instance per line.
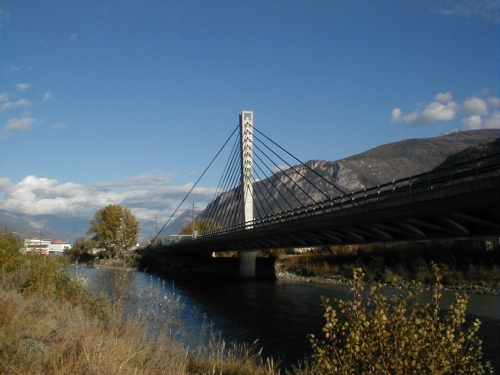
[475, 106]
[23, 86]
[73, 37]
[146, 195]
[17, 125]
[3, 17]
[3, 97]
[47, 96]
[472, 123]
[493, 122]
[5, 184]
[435, 111]
[59, 125]
[12, 69]
[18, 104]
[495, 102]
[483, 92]
[443, 97]
[153, 178]
[395, 115]
[487, 10]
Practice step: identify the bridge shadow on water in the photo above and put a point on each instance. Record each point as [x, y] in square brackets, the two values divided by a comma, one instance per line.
[206, 266]
[280, 314]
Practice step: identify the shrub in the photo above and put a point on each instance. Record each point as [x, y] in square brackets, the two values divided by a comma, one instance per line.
[371, 334]
[10, 256]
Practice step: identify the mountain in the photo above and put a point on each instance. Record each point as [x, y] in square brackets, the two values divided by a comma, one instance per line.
[180, 222]
[401, 159]
[376, 166]
[47, 226]
[67, 229]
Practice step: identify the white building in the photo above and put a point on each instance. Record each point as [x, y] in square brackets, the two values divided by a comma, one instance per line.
[45, 247]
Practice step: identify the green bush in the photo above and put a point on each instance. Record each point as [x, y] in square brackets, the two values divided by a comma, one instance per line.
[371, 334]
[10, 255]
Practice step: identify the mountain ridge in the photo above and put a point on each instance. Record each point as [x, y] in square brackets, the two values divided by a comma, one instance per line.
[378, 165]
[370, 168]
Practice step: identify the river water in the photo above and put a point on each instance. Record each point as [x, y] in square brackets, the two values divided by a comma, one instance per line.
[279, 314]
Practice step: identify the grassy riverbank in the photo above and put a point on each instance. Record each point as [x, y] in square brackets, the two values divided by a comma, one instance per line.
[50, 323]
[471, 266]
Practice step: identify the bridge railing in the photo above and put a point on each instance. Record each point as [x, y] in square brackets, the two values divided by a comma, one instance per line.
[432, 180]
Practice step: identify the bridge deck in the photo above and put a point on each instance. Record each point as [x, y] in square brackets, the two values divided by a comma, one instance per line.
[433, 206]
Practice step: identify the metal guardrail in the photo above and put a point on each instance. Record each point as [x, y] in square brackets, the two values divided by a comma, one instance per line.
[471, 170]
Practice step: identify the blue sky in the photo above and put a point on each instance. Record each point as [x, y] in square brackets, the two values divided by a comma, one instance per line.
[126, 101]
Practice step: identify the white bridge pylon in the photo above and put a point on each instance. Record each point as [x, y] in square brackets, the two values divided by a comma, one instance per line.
[247, 258]
[246, 142]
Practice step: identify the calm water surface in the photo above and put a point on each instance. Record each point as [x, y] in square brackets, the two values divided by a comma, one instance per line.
[279, 314]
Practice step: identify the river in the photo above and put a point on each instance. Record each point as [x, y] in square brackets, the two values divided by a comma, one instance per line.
[279, 314]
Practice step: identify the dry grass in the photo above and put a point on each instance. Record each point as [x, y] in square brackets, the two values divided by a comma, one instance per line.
[50, 323]
[217, 357]
[45, 335]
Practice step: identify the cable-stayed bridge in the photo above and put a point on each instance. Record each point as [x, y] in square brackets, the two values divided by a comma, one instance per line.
[264, 202]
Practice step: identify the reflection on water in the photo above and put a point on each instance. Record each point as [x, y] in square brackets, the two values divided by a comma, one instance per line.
[279, 314]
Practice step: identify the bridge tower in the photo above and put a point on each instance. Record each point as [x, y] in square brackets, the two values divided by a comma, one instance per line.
[247, 258]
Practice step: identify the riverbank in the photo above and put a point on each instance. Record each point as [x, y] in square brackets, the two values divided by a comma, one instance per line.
[337, 279]
[51, 323]
[465, 266]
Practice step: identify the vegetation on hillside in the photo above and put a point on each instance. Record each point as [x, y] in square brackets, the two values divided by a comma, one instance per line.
[473, 152]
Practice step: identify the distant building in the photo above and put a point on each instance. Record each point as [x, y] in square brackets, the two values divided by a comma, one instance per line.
[45, 247]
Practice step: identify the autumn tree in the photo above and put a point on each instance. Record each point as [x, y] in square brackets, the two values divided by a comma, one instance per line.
[201, 226]
[115, 229]
[10, 246]
[82, 245]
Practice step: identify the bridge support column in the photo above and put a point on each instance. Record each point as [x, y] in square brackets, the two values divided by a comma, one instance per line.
[247, 264]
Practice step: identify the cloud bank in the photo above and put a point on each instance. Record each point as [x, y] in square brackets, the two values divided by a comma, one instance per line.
[475, 112]
[19, 125]
[146, 195]
[486, 10]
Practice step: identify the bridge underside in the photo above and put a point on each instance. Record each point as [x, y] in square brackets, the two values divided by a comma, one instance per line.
[469, 210]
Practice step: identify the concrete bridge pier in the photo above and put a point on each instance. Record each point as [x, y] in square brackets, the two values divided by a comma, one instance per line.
[247, 264]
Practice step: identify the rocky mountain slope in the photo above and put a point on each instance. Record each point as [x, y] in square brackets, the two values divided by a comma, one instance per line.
[386, 163]
[400, 159]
